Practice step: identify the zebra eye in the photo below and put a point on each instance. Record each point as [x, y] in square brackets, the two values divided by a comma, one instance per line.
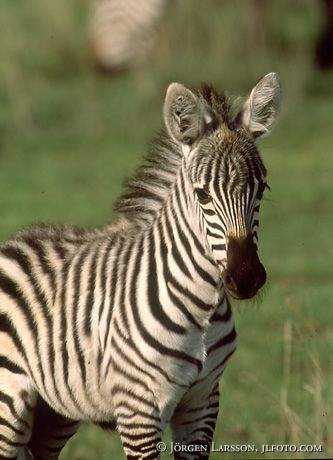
[203, 195]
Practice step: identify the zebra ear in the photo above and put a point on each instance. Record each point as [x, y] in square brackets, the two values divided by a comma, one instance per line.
[262, 107]
[185, 116]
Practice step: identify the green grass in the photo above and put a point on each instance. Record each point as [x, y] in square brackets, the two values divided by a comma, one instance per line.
[69, 137]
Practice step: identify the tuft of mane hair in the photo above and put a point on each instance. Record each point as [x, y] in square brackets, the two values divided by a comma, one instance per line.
[147, 190]
[150, 185]
[219, 103]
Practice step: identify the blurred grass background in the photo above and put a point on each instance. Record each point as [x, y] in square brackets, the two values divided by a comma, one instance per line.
[69, 137]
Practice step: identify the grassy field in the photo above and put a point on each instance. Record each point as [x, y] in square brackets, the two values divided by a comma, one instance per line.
[69, 137]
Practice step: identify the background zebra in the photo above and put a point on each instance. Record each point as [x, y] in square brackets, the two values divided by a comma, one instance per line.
[130, 326]
[122, 32]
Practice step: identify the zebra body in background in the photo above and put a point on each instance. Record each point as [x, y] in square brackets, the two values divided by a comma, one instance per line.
[122, 32]
[131, 326]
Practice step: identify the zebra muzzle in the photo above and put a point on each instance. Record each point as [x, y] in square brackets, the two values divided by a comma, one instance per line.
[244, 274]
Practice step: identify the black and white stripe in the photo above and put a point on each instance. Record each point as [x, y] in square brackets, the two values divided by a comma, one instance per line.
[122, 32]
[131, 326]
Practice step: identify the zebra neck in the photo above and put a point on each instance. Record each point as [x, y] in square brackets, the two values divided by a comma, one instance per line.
[180, 268]
[159, 278]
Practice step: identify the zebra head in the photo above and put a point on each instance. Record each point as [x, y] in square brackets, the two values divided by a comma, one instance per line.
[225, 171]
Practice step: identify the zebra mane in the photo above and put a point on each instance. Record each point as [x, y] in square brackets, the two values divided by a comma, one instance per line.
[147, 190]
[220, 104]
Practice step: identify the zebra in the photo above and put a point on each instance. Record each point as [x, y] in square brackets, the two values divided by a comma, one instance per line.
[130, 326]
[121, 33]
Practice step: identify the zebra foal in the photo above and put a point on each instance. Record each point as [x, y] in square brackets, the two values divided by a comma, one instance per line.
[130, 326]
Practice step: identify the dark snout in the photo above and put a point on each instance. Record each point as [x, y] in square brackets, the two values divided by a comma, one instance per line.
[244, 274]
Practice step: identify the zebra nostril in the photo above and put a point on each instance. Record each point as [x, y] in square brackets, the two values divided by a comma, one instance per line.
[230, 282]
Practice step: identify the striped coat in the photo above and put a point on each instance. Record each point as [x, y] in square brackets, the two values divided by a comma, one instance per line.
[131, 326]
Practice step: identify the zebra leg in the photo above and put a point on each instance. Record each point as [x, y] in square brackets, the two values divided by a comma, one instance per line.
[17, 405]
[193, 427]
[140, 444]
[50, 433]
[140, 432]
